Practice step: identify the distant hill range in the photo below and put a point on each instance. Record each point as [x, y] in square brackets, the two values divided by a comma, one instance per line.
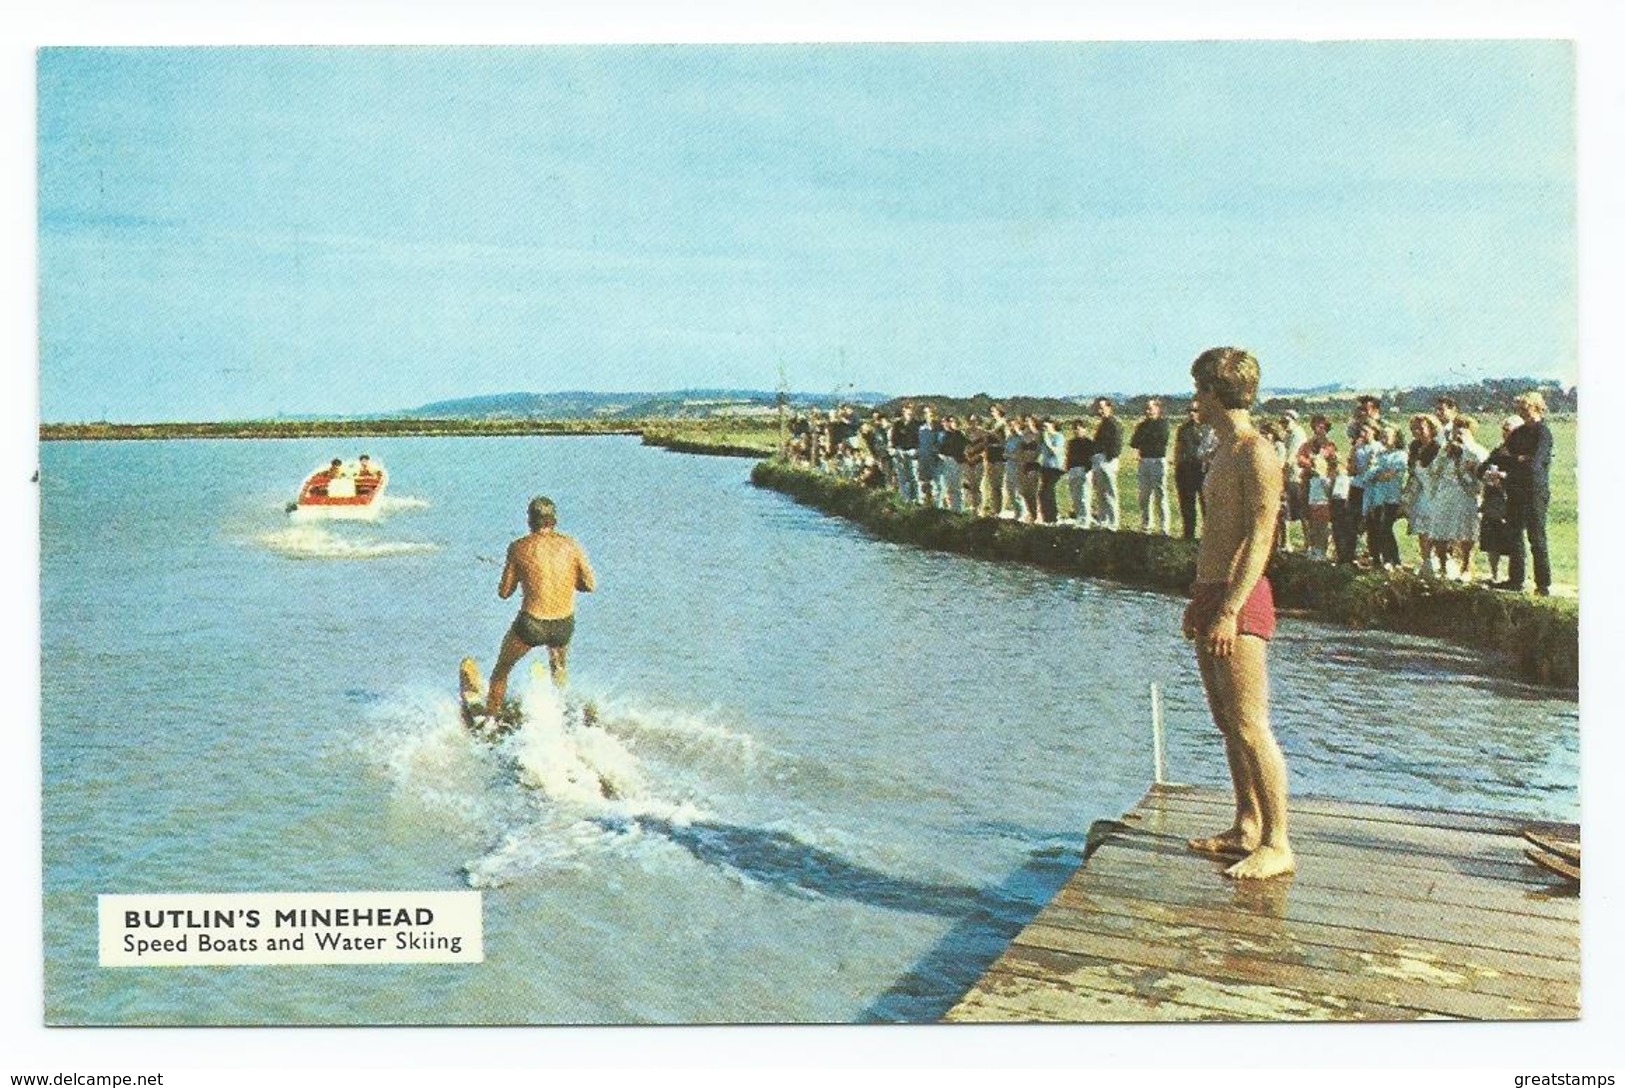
[1492, 396]
[681, 404]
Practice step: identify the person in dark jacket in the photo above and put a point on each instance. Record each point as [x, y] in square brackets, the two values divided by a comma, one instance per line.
[1494, 535]
[1529, 493]
[1103, 475]
[905, 445]
[1150, 441]
[1189, 469]
[1080, 455]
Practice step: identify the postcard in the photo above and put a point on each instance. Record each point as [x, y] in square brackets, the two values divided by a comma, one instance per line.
[1064, 532]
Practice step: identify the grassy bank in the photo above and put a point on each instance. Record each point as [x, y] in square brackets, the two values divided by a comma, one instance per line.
[724, 437]
[1538, 638]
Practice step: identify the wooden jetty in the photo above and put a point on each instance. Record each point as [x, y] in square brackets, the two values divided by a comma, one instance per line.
[1394, 914]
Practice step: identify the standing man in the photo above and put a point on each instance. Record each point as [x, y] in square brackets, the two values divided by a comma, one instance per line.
[1150, 441]
[994, 496]
[1051, 467]
[1367, 413]
[1189, 468]
[975, 465]
[1232, 614]
[550, 567]
[905, 445]
[926, 449]
[1529, 493]
[1103, 473]
[1080, 455]
[951, 447]
[880, 447]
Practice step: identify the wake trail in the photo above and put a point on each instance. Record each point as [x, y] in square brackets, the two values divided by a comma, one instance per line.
[317, 542]
[557, 793]
[643, 786]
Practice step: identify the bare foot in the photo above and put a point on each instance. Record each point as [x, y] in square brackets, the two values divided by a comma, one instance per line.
[1233, 841]
[1263, 863]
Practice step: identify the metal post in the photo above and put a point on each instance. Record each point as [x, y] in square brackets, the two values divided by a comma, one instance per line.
[1159, 764]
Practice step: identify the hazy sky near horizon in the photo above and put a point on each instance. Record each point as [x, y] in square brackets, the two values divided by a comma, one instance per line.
[231, 233]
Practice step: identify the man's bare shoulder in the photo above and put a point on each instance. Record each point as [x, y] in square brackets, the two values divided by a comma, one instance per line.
[558, 544]
[1256, 450]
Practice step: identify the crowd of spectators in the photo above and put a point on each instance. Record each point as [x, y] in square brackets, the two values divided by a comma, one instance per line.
[1454, 494]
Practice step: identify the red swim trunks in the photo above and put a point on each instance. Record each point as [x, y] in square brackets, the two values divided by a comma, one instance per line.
[1257, 616]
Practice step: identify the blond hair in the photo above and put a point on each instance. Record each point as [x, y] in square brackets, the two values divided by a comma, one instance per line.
[1230, 374]
[1534, 401]
[541, 513]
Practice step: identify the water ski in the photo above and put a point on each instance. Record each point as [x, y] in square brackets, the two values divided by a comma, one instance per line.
[1553, 864]
[471, 701]
[1567, 849]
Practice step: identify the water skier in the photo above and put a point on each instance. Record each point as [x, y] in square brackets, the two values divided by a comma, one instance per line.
[1232, 614]
[549, 567]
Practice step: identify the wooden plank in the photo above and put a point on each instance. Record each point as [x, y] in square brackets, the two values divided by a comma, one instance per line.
[1215, 964]
[1489, 855]
[1188, 885]
[1536, 910]
[1002, 999]
[1317, 804]
[1342, 970]
[1564, 847]
[1385, 834]
[1083, 899]
[1356, 871]
[1559, 865]
[1048, 983]
[1395, 914]
[1512, 870]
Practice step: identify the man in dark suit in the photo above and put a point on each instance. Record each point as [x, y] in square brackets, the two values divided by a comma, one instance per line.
[1529, 493]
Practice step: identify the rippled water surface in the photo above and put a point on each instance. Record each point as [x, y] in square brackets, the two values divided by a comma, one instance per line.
[845, 771]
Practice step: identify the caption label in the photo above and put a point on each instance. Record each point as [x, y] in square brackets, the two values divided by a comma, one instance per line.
[291, 928]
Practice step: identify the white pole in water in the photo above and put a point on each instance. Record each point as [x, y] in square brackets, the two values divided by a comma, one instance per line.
[1159, 765]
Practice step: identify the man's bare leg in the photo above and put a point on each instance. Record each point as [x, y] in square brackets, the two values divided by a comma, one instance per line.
[512, 650]
[1243, 835]
[556, 662]
[1243, 681]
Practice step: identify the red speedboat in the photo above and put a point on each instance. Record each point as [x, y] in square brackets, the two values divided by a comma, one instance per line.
[335, 492]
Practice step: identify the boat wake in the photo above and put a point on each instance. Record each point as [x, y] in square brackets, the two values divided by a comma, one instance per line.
[317, 542]
[399, 504]
[558, 793]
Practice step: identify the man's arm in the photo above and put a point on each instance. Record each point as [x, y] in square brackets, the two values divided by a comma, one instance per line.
[1542, 460]
[586, 581]
[510, 576]
[1260, 504]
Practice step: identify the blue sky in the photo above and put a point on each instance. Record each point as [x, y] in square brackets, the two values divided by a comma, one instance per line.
[235, 233]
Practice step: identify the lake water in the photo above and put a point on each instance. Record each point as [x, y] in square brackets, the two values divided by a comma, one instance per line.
[847, 771]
